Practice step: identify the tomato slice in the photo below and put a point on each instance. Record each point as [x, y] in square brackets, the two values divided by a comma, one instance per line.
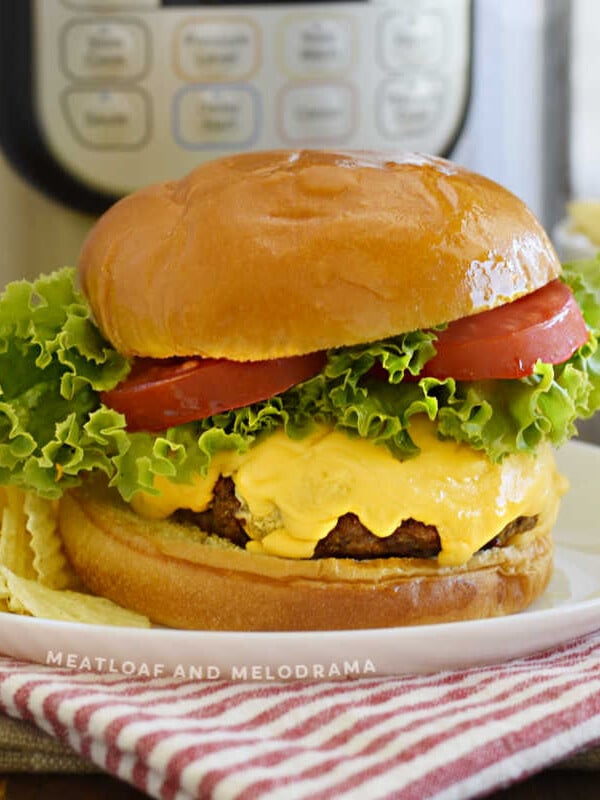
[160, 393]
[507, 341]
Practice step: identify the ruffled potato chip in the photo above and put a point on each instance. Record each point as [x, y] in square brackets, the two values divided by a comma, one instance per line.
[49, 562]
[30, 597]
[15, 550]
[585, 218]
[35, 576]
[4, 594]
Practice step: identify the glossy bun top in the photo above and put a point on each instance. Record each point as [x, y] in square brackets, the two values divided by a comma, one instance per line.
[268, 254]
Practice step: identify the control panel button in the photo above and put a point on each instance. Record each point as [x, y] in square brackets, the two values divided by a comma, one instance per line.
[324, 113]
[104, 49]
[108, 119]
[215, 116]
[217, 49]
[409, 105]
[411, 37]
[318, 46]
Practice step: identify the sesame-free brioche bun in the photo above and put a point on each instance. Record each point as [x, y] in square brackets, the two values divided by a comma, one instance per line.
[272, 254]
[159, 568]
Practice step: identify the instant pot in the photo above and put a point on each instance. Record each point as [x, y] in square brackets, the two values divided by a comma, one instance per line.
[101, 96]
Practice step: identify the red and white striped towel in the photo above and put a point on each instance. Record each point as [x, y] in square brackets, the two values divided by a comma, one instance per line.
[450, 735]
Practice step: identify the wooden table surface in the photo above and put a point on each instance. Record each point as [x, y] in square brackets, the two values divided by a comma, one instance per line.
[548, 785]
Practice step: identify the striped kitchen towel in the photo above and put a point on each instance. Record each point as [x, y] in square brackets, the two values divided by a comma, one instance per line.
[457, 734]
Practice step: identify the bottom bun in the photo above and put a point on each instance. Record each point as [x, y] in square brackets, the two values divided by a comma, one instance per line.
[183, 578]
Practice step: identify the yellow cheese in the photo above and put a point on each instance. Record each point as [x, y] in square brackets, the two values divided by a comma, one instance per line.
[293, 492]
[196, 496]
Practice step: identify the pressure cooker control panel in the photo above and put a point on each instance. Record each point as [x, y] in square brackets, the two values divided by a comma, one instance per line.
[132, 92]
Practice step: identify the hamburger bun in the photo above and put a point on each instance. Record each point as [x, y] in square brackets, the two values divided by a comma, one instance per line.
[273, 254]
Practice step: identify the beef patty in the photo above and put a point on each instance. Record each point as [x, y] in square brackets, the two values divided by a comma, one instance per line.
[349, 538]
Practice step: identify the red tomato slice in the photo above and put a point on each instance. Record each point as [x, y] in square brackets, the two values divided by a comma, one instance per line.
[507, 341]
[160, 393]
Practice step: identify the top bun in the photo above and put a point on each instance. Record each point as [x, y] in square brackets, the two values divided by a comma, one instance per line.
[271, 254]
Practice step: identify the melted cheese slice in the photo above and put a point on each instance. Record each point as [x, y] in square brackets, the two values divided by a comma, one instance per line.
[293, 492]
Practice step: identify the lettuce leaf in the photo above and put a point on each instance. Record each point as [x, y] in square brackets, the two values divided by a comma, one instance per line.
[54, 363]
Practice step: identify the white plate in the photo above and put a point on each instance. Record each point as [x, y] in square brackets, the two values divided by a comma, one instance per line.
[569, 608]
[572, 244]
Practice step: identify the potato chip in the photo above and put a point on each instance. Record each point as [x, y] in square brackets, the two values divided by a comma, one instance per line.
[4, 594]
[35, 576]
[28, 596]
[15, 550]
[49, 562]
[585, 216]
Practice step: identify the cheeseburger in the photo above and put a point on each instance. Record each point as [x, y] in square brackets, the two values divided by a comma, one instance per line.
[306, 390]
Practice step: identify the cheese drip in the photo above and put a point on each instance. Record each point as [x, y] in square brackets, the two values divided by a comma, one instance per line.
[294, 491]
